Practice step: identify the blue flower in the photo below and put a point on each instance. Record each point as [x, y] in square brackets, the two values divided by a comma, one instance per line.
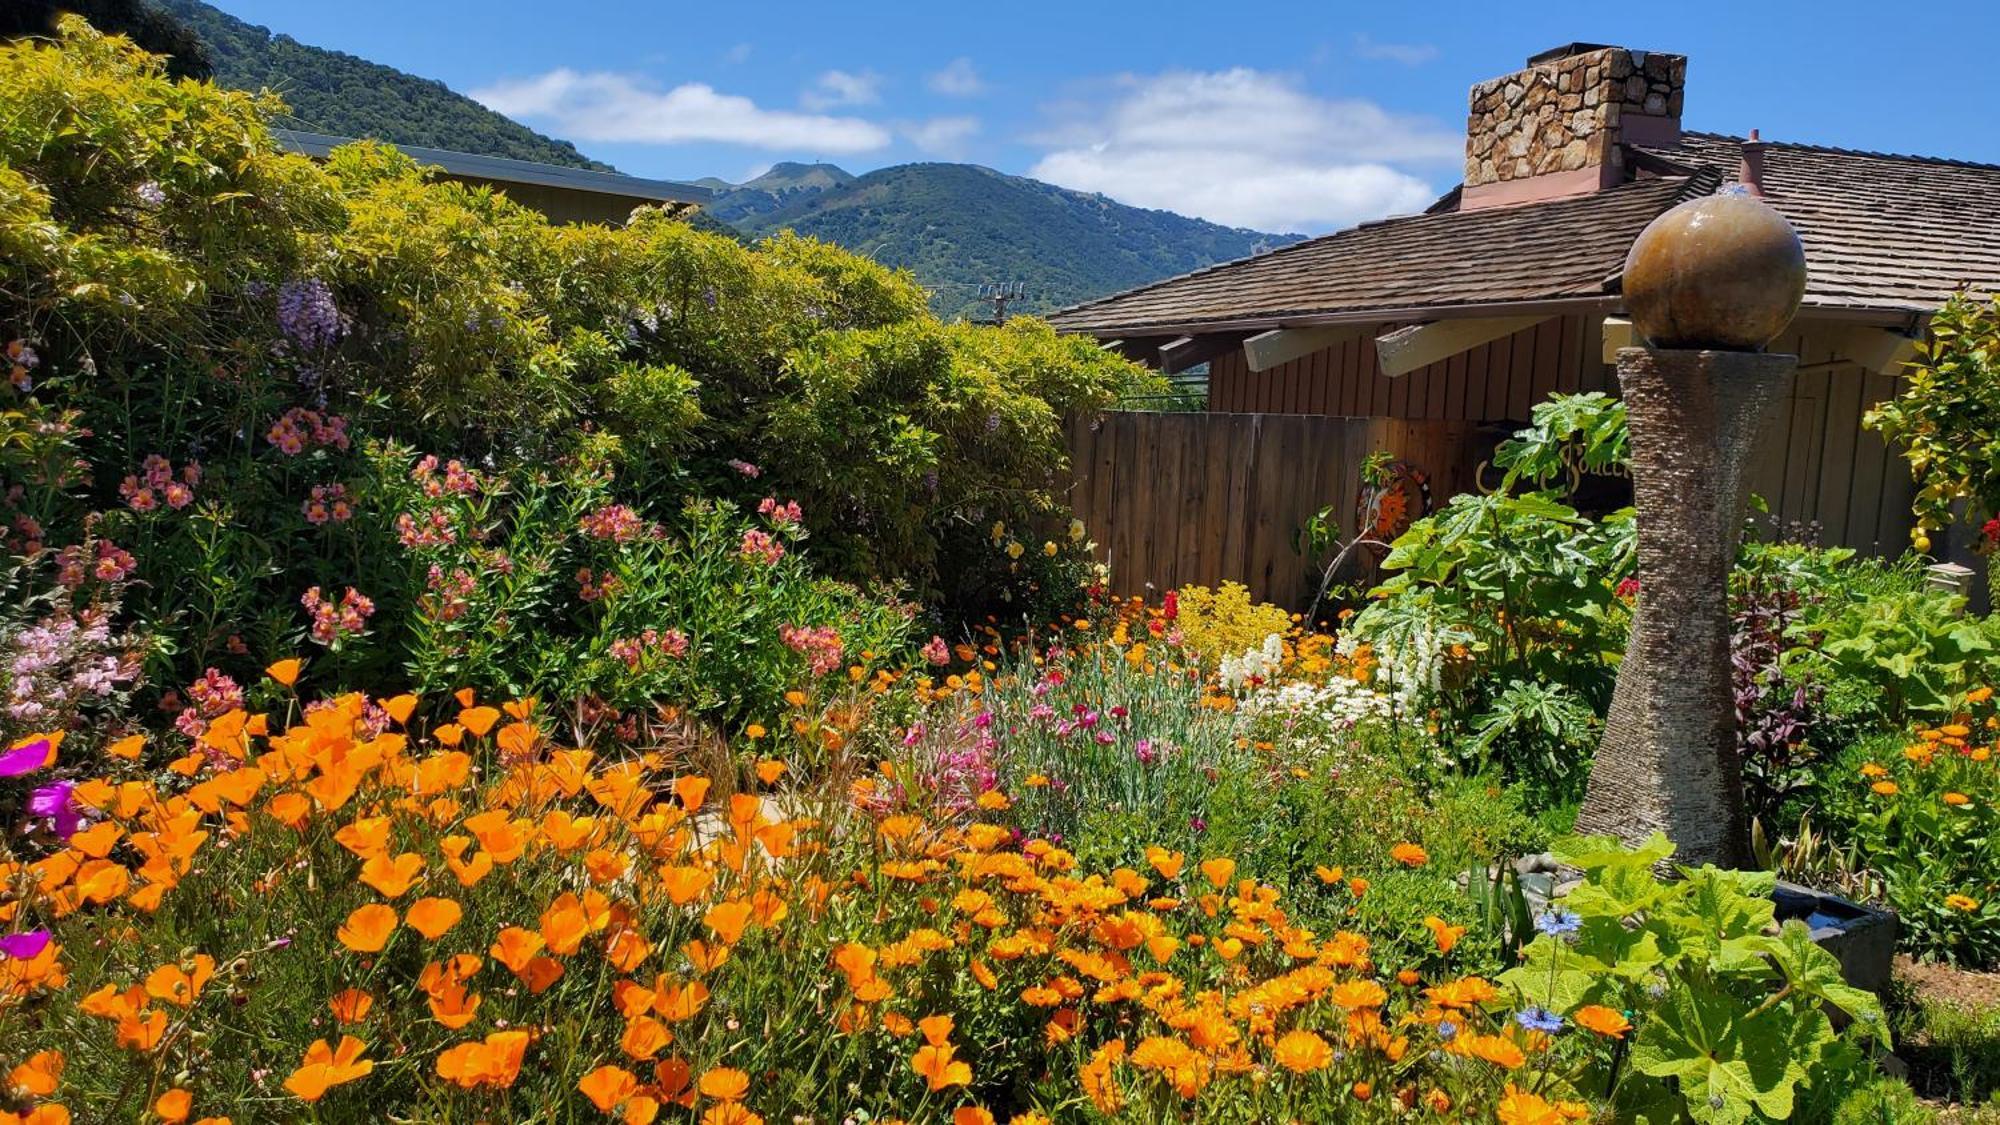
[1558, 922]
[1539, 1019]
[1447, 1029]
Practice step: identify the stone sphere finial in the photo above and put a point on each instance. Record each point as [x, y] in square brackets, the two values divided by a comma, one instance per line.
[1724, 272]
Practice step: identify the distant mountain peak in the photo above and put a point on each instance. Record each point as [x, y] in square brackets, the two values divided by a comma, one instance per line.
[958, 226]
[790, 175]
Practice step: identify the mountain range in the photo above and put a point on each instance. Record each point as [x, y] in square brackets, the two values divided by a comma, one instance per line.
[956, 227]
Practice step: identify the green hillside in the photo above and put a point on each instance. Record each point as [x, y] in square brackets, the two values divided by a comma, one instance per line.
[331, 92]
[957, 226]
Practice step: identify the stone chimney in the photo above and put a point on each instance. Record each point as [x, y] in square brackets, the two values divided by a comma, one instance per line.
[1556, 128]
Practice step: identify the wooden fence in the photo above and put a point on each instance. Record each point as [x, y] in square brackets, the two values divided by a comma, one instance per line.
[1173, 499]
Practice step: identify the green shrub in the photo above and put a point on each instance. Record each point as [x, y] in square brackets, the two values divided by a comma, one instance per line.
[174, 286]
[1730, 1017]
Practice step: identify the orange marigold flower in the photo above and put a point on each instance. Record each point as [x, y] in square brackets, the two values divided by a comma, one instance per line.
[1964, 903]
[725, 1084]
[1604, 1021]
[1302, 1052]
[1885, 788]
[1409, 855]
[970, 1115]
[729, 1113]
[1496, 1049]
[1957, 799]
[326, 1067]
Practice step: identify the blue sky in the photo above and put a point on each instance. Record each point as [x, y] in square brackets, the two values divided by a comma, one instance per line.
[1277, 115]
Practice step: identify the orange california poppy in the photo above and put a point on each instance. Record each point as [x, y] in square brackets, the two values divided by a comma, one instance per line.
[177, 985]
[495, 1062]
[391, 877]
[478, 720]
[326, 1067]
[350, 1005]
[644, 1037]
[433, 917]
[727, 920]
[286, 671]
[691, 792]
[173, 1106]
[368, 928]
[514, 947]
[38, 1076]
[608, 1086]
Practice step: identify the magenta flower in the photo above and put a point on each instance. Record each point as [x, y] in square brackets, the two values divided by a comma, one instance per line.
[24, 759]
[53, 801]
[24, 946]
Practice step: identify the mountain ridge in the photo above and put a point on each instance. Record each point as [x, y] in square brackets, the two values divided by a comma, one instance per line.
[960, 226]
[954, 226]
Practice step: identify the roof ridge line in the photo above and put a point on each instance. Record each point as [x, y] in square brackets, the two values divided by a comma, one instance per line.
[1370, 224]
[1837, 150]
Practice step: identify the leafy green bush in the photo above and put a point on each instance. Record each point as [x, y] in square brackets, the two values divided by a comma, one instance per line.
[1946, 420]
[1506, 613]
[1729, 1019]
[224, 340]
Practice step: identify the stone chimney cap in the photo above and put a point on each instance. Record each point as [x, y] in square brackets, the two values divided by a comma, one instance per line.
[1566, 50]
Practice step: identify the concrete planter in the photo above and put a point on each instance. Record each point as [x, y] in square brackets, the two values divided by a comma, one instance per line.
[1862, 938]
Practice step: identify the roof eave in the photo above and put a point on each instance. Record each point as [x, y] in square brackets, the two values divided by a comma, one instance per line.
[1371, 315]
[508, 170]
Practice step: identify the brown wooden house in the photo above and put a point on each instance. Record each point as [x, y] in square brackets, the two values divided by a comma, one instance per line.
[1445, 328]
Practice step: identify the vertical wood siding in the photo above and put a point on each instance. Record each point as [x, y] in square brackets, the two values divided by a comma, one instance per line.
[1173, 499]
[1816, 465]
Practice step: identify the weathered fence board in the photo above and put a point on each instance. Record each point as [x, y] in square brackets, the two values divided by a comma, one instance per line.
[1173, 499]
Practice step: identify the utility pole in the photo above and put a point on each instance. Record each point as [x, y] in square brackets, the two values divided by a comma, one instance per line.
[1000, 294]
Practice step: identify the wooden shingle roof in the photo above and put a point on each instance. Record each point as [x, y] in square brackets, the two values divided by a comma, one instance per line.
[1882, 233]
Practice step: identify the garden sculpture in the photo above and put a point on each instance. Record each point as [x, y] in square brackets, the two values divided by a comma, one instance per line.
[1708, 284]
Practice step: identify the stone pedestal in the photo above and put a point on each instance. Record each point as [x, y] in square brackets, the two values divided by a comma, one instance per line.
[1667, 761]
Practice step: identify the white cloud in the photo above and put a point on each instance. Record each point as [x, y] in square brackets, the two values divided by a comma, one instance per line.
[1409, 54]
[1246, 148]
[958, 79]
[600, 106]
[837, 88]
[942, 136]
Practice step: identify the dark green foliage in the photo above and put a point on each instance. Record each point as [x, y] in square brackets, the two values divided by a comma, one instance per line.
[138, 20]
[957, 226]
[332, 92]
